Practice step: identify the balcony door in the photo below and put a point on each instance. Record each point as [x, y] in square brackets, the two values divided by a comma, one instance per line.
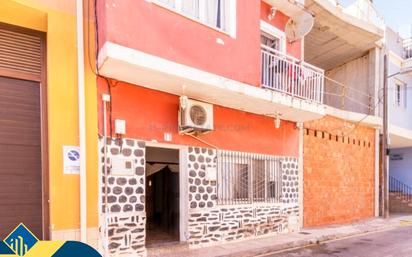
[273, 48]
[270, 41]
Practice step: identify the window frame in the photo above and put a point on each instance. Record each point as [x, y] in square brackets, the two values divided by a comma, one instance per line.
[400, 96]
[275, 32]
[225, 182]
[230, 13]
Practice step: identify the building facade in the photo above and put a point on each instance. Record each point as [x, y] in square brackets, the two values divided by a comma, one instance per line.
[400, 124]
[238, 181]
[206, 121]
[39, 106]
[341, 150]
[281, 148]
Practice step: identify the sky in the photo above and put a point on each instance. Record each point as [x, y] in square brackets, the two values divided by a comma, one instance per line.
[397, 14]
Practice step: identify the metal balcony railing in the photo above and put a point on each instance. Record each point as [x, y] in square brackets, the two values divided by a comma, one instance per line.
[407, 48]
[366, 11]
[349, 98]
[400, 189]
[291, 76]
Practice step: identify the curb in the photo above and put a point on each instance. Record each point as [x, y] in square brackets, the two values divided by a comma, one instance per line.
[308, 242]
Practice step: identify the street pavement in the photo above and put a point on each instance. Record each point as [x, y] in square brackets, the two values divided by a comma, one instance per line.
[392, 243]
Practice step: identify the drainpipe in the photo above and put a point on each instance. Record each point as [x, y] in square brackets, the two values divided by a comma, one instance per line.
[299, 125]
[82, 120]
[377, 169]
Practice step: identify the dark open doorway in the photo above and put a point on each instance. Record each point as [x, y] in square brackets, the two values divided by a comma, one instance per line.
[162, 196]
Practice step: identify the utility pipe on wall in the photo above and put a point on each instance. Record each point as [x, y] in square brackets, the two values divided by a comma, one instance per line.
[377, 170]
[299, 126]
[385, 137]
[105, 100]
[82, 120]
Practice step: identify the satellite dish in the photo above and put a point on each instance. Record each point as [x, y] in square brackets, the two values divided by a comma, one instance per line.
[299, 26]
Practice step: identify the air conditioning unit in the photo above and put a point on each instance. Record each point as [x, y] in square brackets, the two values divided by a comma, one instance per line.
[195, 116]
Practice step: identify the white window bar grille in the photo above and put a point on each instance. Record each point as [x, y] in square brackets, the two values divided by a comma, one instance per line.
[245, 178]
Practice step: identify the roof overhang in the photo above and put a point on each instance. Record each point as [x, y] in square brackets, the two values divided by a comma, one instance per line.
[355, 117]
[399, 137]
[337, 37]
[139, 68]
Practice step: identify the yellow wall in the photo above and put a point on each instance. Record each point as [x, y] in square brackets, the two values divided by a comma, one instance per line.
[57, 19]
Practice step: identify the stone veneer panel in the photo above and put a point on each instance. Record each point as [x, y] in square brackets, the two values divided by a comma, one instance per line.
[210, 223]
[126, 218]
[290, 180]
[202, 193]
[228, 223]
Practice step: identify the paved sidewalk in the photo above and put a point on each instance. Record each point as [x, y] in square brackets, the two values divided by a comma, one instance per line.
[254, 247]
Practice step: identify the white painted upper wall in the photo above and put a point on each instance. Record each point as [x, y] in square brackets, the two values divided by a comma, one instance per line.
[393, 41]
[398, 115]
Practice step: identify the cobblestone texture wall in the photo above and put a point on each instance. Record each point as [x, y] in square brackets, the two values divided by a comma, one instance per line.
[339, 167]
[290, 180]
[210, 223]
[202, 193]
[228, 223]
[126, 217]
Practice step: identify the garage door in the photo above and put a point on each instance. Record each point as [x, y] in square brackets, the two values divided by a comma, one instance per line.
[20, 131]
[20, 156]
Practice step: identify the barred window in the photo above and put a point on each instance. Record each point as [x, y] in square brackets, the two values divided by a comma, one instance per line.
[247, 178]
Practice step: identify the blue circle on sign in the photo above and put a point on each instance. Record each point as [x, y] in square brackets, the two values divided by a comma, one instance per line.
[73, 155]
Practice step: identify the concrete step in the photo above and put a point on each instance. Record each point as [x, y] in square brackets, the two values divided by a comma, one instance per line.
[166, 248]
[399, 205]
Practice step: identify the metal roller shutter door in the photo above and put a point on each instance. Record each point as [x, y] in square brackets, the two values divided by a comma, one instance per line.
[20, 133]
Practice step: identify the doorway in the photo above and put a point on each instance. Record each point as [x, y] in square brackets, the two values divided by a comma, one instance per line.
[162, 196]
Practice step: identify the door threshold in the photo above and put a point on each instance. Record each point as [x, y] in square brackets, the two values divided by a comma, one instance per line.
[166, 244]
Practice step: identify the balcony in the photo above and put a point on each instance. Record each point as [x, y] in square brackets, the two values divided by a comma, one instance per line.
[300, 80]
[338, 35]
[291, 76]
[349, 97]
[299, 101]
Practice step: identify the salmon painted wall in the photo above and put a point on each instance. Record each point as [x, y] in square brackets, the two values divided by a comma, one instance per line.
[279, 21]
[149, 114]
[161, 32]
[57, 19]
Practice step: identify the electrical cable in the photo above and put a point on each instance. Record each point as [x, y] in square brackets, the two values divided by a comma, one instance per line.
[201, 140]
[89, 57]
